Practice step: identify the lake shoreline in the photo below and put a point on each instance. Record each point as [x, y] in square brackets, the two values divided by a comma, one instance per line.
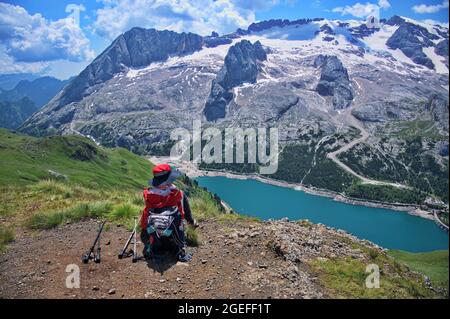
[192, 171]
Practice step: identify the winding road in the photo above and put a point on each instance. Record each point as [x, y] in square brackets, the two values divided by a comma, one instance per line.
[346, 116]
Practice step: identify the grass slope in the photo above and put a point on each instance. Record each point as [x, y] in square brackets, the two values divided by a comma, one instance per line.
[346, 277]
[45, 182]
[432, 264]
[25, 159]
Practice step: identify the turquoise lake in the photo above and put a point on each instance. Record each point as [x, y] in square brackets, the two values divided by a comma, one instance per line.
[385, 227]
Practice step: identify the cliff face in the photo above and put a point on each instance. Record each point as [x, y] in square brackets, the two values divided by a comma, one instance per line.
[240, 66]
[334, 81]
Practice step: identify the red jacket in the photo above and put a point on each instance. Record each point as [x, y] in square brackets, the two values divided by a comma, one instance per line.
[157, 198]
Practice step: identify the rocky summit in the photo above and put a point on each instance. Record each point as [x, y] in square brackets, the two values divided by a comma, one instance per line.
[135, 48]
[411, 39]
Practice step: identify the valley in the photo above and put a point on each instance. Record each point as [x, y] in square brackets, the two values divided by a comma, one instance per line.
[52, 207]
[286, 74]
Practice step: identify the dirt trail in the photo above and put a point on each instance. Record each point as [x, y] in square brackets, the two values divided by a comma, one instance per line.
[233, 261]
[237, 258]
[346, 116]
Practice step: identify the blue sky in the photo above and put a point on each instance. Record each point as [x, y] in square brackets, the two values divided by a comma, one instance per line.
[45, 36]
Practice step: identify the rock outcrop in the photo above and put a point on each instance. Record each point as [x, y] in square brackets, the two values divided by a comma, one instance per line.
[442, 48]
[438, 106]
[241, 66]
[334, 81]
[362, 31]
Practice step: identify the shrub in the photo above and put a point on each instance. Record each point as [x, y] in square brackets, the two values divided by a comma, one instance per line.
[49, 220]
[6, 236]
[192, 237]
[51, 187]
[125, 211]
[46, 220]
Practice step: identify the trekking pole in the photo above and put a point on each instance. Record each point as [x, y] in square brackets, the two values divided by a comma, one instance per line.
[124, 250]
[97, 255]
[90, 254]
[135, 254]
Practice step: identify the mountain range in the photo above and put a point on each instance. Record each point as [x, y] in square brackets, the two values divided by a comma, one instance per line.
[354, 105]
[26, 97]
[9, 80]
[14, 113]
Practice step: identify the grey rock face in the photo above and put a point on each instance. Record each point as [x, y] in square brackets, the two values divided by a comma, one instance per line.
[241, 66]
[327, 38]
[442, 48]
[438, 107]
[442, 148]
[264, 25]
[327, 29]
[135, 48]
[411, 39]
[362, 31]
[334, 81]
[211, 42]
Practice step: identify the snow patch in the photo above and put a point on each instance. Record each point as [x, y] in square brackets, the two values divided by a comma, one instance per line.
[438, 61]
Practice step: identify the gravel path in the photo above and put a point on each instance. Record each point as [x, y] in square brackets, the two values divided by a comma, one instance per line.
[233, 261]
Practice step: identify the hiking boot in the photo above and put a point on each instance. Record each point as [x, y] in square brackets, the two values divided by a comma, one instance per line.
[183, 256]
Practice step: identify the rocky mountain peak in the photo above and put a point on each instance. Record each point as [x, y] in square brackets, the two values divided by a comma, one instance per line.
[240, 66]
[411, 39]
[395, 20]
[135, 48]
[334, 81]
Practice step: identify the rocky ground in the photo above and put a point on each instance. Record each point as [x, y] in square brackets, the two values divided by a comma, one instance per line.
[238, 259]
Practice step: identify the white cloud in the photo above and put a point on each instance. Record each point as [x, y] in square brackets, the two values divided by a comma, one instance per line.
[423, 8]
[8, 65]
[360, 10]
[384, 4]
[255, 4]
[198, 16]
[29, 38]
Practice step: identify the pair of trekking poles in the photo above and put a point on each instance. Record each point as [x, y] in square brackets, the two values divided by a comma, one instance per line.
[94, 252]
